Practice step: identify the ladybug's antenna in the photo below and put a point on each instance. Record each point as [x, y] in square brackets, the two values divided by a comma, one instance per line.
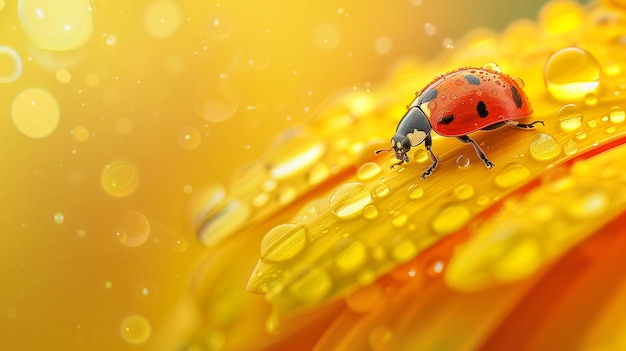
[383, 150]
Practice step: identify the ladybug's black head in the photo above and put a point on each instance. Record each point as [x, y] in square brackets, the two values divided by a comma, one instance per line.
[412, 130]
[401, 146]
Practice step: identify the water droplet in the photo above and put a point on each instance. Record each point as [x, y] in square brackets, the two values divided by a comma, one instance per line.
[415, 191]
[570, 147]
[404, 250]
[222, 221]
[399, 220]
[571, 74]
[283, 242]
[189, 138]
[610, 130]
[591, 99]
[370, 211]
[463, 161]
[352, 254]
[492, 67]
[60, 26]
[544, 147]
[296, 155]
[617, 114]
[512, 174]
[588, 204]
[381, 189]
[59, 218]
[570, 117]
[312, 286]
[135, 329]
[119, 178]
[463, 191]
[368, 170]
[421, 156]
[135, 227]
[451, 218]
[482, 200]
[348, 200]
[380, 337]
[35, 113]
[10, 65]
[161, 18]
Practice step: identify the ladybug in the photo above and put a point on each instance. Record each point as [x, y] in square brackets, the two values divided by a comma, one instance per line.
[456, 104]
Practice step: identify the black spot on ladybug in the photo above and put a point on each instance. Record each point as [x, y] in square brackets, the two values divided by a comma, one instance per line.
[516, 96]
[472, 79]
[428, 95]
[481, 108]
[447, 119]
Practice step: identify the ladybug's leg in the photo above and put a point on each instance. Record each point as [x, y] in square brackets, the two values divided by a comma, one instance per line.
[519, 125]
[467, 140]
[428, 143]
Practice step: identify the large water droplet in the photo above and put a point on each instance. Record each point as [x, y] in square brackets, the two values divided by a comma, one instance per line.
[283, 242]
[571, 74]
[348, 200]
[617, 114]
[570, 117]
[544, 147]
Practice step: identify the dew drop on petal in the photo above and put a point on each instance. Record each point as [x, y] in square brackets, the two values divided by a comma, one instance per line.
[571, 74]
[283, 242]
[368, 170]
[511, 175]
[570, 117]
[348, 200]
[544, 147]
[450, 218]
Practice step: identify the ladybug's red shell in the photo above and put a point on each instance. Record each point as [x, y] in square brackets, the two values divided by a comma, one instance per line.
[469, 99]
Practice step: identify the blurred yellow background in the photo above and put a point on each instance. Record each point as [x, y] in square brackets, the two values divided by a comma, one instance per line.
[115, 112]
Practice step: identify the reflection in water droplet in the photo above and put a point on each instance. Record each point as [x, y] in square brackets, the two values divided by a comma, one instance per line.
[135, 329]
[511, 175]
[421, 156]
[570, 117]
[10, 65]
[35, 113]
[368, 170]
[295, 155]
[544, 147]
[348, 200]
[223, 221]
[352, 255]
[492, 66]
[312, 286]
[571, 74]
[570, 147]
[61, 25]
[462, 161]
[370, 211]
[136, 228]
[381, 189]
[119, 178]
[283, 242]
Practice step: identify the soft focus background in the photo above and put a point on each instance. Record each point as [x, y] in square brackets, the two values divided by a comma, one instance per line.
[115, 112]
